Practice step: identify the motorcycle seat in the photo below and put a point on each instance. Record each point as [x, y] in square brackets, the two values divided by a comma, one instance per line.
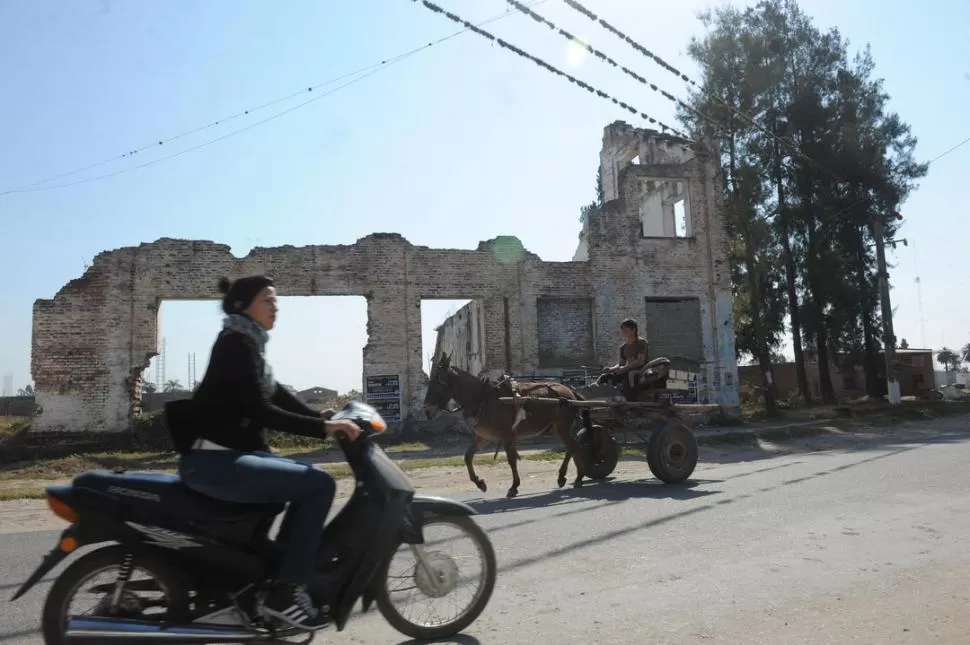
[172, 496]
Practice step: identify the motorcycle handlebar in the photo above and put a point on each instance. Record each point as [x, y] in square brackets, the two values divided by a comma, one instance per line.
[364, 416]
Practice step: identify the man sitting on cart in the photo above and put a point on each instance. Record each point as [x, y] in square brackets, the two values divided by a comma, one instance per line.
[634, 354]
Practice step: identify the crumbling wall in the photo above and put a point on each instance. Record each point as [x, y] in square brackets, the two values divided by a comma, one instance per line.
[565, 332]
[94, 338]
[92, 341]
[656, 250]
[462, 337]
[632, 265]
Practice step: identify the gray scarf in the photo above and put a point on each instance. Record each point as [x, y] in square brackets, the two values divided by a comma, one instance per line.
[254, 332]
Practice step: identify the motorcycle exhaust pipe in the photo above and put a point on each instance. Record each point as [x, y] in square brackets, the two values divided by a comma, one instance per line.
[81, 629]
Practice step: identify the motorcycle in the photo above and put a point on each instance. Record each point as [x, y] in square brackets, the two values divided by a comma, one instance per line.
[208, 562]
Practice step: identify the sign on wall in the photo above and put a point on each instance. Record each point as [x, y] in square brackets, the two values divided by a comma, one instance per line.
[384, 393]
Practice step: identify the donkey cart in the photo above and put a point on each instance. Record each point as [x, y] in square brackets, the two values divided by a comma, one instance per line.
[671, 447]
[654, 420]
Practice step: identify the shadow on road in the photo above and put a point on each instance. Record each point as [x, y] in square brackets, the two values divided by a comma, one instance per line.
[460, 639]
[606, 537]
[16, 585]
[609, 490]
[6, 636]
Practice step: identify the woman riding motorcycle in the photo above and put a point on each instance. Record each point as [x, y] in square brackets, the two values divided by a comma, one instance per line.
[237, 401]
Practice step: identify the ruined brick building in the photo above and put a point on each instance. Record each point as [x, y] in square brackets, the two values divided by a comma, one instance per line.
[656, 251]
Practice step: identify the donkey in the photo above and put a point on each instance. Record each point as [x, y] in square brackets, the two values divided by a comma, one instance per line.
[494, 421]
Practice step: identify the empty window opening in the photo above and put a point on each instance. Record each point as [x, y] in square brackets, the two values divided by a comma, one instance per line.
[680, 219]
[454, 327]
[316, 348]
[665, 208]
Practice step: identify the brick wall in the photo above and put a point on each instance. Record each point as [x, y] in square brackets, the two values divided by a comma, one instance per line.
[673, 327]
[93, 339]
[565, 331]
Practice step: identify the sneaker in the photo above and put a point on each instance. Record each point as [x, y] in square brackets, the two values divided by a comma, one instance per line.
[292, 605]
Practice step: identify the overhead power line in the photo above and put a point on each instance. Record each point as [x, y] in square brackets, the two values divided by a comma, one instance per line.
[204, 144]
[360, 73]
[790, 145]
[607, 59]
[543, 64]
[948, 151]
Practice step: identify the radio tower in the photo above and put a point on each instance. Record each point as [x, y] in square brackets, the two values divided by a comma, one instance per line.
[191, 380]
[919, 299]
[160, 369]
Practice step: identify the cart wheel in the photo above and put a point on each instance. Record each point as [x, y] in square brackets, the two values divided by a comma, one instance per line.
[602, 453]
[672, 453]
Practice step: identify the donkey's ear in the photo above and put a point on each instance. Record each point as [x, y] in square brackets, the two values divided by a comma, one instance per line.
[445, 360]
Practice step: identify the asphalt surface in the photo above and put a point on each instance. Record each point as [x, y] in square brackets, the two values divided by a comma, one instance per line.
[862, 545]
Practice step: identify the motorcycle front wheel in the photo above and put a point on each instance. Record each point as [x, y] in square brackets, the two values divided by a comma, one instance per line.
[438, 577]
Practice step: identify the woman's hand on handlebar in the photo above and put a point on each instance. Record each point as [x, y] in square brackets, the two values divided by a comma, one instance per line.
[341, 426]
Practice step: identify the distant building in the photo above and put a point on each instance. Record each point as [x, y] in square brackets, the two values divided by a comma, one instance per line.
[317, 397]
[914, 366]
[951, 378]
[8, 385]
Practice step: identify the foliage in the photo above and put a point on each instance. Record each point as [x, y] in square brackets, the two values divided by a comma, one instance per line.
[810, 156]
[949, 359]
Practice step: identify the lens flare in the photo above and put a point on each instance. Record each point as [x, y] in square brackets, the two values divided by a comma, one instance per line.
[576, 53]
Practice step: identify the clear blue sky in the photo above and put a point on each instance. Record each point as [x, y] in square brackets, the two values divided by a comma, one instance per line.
[456, 144]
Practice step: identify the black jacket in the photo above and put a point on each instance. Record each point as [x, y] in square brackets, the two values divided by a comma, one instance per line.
[230, 405]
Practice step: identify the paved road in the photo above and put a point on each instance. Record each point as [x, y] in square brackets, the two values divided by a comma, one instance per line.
[867, 545]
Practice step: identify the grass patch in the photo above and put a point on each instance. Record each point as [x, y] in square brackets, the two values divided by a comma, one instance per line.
[11, 426]
[16, 478]
[22, 493]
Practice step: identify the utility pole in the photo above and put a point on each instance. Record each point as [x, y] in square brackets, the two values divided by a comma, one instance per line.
[888, 337]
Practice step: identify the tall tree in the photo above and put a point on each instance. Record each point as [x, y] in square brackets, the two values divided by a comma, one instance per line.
[948, 358]
[828, 158]
[714, 114]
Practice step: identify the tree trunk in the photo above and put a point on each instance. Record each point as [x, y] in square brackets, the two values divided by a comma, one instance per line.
[826, 390]
[870, 359]
[763, 355]
[754, 293]
[824, 374]
[790, 277]
[815, 282]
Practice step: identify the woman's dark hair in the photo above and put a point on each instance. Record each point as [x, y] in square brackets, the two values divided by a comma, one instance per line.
[630, 323]
[238, 295]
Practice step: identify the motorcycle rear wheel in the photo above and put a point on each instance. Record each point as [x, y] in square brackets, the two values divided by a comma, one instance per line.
[419, 631]
[58, 604]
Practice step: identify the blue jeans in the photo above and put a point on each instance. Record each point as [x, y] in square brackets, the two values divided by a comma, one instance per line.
[264, 478]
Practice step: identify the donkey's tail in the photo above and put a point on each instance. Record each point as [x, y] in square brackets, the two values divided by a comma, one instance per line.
[498, 447]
